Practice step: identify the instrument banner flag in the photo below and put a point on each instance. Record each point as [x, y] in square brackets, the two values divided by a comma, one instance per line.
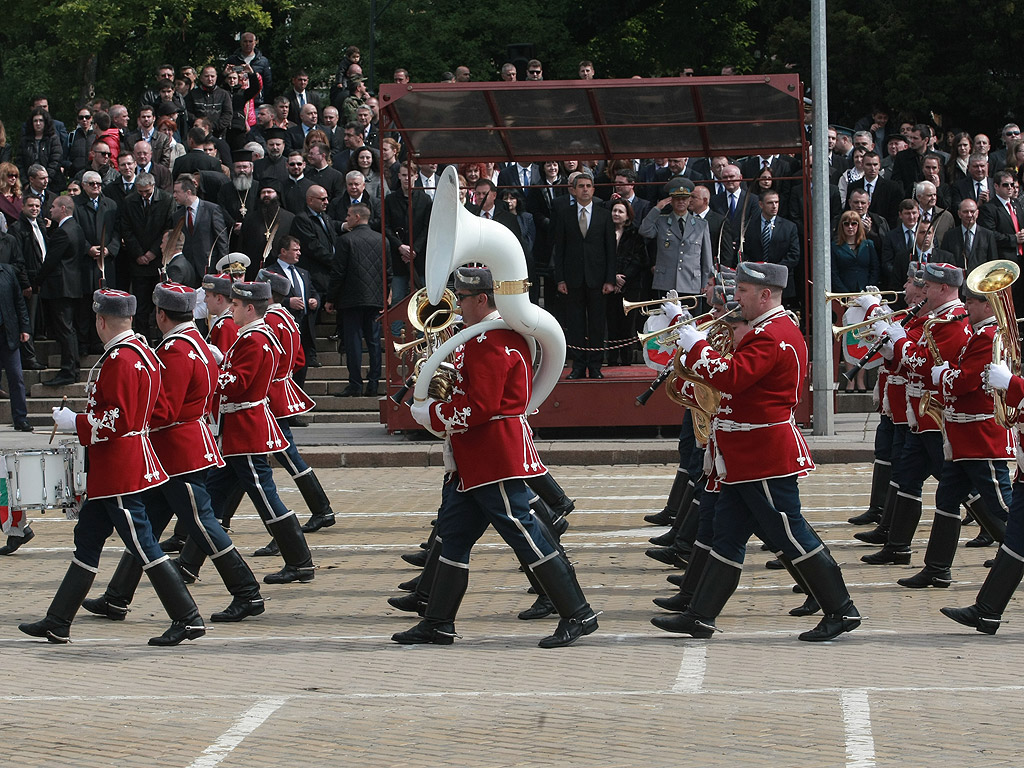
[657, 356]
[855, 343]
[12, 521]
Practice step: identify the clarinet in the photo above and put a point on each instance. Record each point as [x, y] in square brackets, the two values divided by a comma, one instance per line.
[874, 348]
[658, 381]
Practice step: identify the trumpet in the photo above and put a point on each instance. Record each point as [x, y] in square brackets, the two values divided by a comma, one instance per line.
[686, 302]
[703, 322]
[849, 299]
[401, 349]
[838, 331]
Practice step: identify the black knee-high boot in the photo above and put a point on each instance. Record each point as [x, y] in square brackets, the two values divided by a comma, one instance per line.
[416, 601]
[246, 599]
[680, 601]
[824, 579]
[558, 579]
[991, 522]
[295, 551]
[190, 560]
[906, 514]
[186, 623]
[438, 626]
[685, 502]
[718, 581]
[316, 500]
[553, 494]
[880, 533]
[114, 602]
[938, 557]
[231, 504]
[987, 612]
[675, 495]
[881, 474]
[56, 627]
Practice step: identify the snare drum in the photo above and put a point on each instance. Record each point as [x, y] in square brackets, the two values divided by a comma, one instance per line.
[36, 479]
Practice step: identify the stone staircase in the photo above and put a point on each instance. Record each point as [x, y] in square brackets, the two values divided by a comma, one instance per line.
[323, 384]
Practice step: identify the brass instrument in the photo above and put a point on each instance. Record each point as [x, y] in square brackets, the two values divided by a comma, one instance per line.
[929, 404]
[849, 299]
[409, 346]
[993, 280]
[838, 331]
[435, 322]
[424, 316]
[703, 322]
[685, 302]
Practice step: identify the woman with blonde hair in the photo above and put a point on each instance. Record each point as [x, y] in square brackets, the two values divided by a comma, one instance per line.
[855, 266]
[10, 193]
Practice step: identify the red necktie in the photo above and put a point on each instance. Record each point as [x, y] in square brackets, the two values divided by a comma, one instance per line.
[1016, 225]
[191, 221]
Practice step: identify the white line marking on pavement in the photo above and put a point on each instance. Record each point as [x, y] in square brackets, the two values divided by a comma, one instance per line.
[860, 744]
[250, 720]
[690, 678]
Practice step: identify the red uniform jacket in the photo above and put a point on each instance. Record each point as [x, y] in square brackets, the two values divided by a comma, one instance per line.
[121, 392]
[916, 361]
[286, 397]
[755, 435]
[180, 428]
[223, 331]
[894, 397]
[486, 417]
[971, 429]
[246, 424]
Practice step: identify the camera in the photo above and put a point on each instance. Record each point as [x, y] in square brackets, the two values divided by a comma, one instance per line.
[238, 69]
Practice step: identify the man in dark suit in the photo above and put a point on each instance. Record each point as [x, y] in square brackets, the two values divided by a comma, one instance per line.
[145, 218]
[296, 184]
[308, 117]
[970, 243]
[304, 300]
[652, 177]
[624, 181]
[196, 158]
[30, 231]
[203, 226]
[143, 154]
[908, 165]
[735, 204]
[317, 234]
[584, 259]
[885, 195]
[519, 175]
[97, 215]
[1005, 217]
[773, 239]
[298, 96]
[487, 206]
[15, 332]
[353, 193]
[159, 143]
[60, 285]
[120, 188]
[38, 183]
[898, 247]
[977, 186]
[718, 226]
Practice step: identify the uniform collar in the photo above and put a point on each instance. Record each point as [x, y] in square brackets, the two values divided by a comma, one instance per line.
[122, 336]
[180, 328]
[250, 326]
[768, 315]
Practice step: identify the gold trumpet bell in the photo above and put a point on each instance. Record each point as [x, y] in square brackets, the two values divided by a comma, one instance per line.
[994, 280]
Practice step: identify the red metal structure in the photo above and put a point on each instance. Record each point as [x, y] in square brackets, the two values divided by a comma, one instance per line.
[607, 119]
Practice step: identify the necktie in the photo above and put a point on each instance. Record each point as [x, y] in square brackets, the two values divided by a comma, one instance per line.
[487, 214]
[766, 237]
[191, 221]
[145, 203]
[38, 234]
[910, 240]
[526, 177]
[928, 217]
[1016, 224]
[977, 190]
[765, 164]
[302, 99]
[682, 229]
[867, 188]
[322, 222]
[968, 240]
[583, 221]
[128, 187]
[96, 204]
[732, 205]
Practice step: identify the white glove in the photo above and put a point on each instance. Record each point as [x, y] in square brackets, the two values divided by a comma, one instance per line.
[689, 336]
[997, 376]
[421, 412]
[218, 356]
[201, 311]
[887, 351]
[896, 332]
[65, 419]
[868, 301]
[671, 311]
[937, 371]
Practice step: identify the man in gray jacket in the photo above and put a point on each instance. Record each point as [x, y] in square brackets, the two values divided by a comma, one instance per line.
[683, 242]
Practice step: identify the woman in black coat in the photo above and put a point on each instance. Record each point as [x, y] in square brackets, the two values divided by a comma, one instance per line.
[631, 261]
[41, 144]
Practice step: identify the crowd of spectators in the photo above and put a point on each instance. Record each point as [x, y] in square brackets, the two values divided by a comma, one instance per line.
[227, 158]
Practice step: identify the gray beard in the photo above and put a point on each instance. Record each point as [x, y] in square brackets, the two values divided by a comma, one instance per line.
[242, 182]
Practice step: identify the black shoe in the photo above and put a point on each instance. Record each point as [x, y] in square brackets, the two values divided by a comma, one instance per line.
[372, 390]
[774, 565]
[318, 521]
[665, 517]
[268, 551]
[53, 629]
[677, 603]
[61, 380]
[418, 559]
[888, 555]
[809, 608]
[410, 603]
[410, 585]
[664, 540]
[542, 608]
[351, 391]
[313, 363]
[240, 609]
[14, 543]
[101, 606]
[23, 426]
[990, 563]
[878, 535]
[595, 375]
[172, 543]
[180, 631]
[666, 555]
[928, 577]
[428, 632]
[971, 617]
[33, 365]
[981, 540]
[676, 579]
[686, 624]
[831, 627]
[576, 375]
[570, 630]
[871, 517]
[289, 574]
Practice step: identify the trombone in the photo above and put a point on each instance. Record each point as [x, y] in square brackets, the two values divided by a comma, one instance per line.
[685, 302]
[849, 299]
[838, 331]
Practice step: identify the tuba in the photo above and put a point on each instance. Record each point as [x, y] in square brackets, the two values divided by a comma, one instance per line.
[993, 280]
[459, 238]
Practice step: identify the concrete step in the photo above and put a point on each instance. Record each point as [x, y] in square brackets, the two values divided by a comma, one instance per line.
[854, 402]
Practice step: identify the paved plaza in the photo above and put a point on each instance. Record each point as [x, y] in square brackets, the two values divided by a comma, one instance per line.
[315, 682]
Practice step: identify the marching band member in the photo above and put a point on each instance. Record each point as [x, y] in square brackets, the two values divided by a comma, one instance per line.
[492, 452]
[979, 449]
[760, 386]
[248, 430]
[986, 614]
[922, 453]
[186, 448]
[122, 392]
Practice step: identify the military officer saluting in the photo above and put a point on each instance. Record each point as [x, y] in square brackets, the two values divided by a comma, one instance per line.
[122, 391]
[684, 261]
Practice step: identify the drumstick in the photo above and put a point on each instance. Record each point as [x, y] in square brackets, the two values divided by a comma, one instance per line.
[63, 402]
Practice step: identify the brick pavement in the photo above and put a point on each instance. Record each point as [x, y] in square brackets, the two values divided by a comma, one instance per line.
[316, 682]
